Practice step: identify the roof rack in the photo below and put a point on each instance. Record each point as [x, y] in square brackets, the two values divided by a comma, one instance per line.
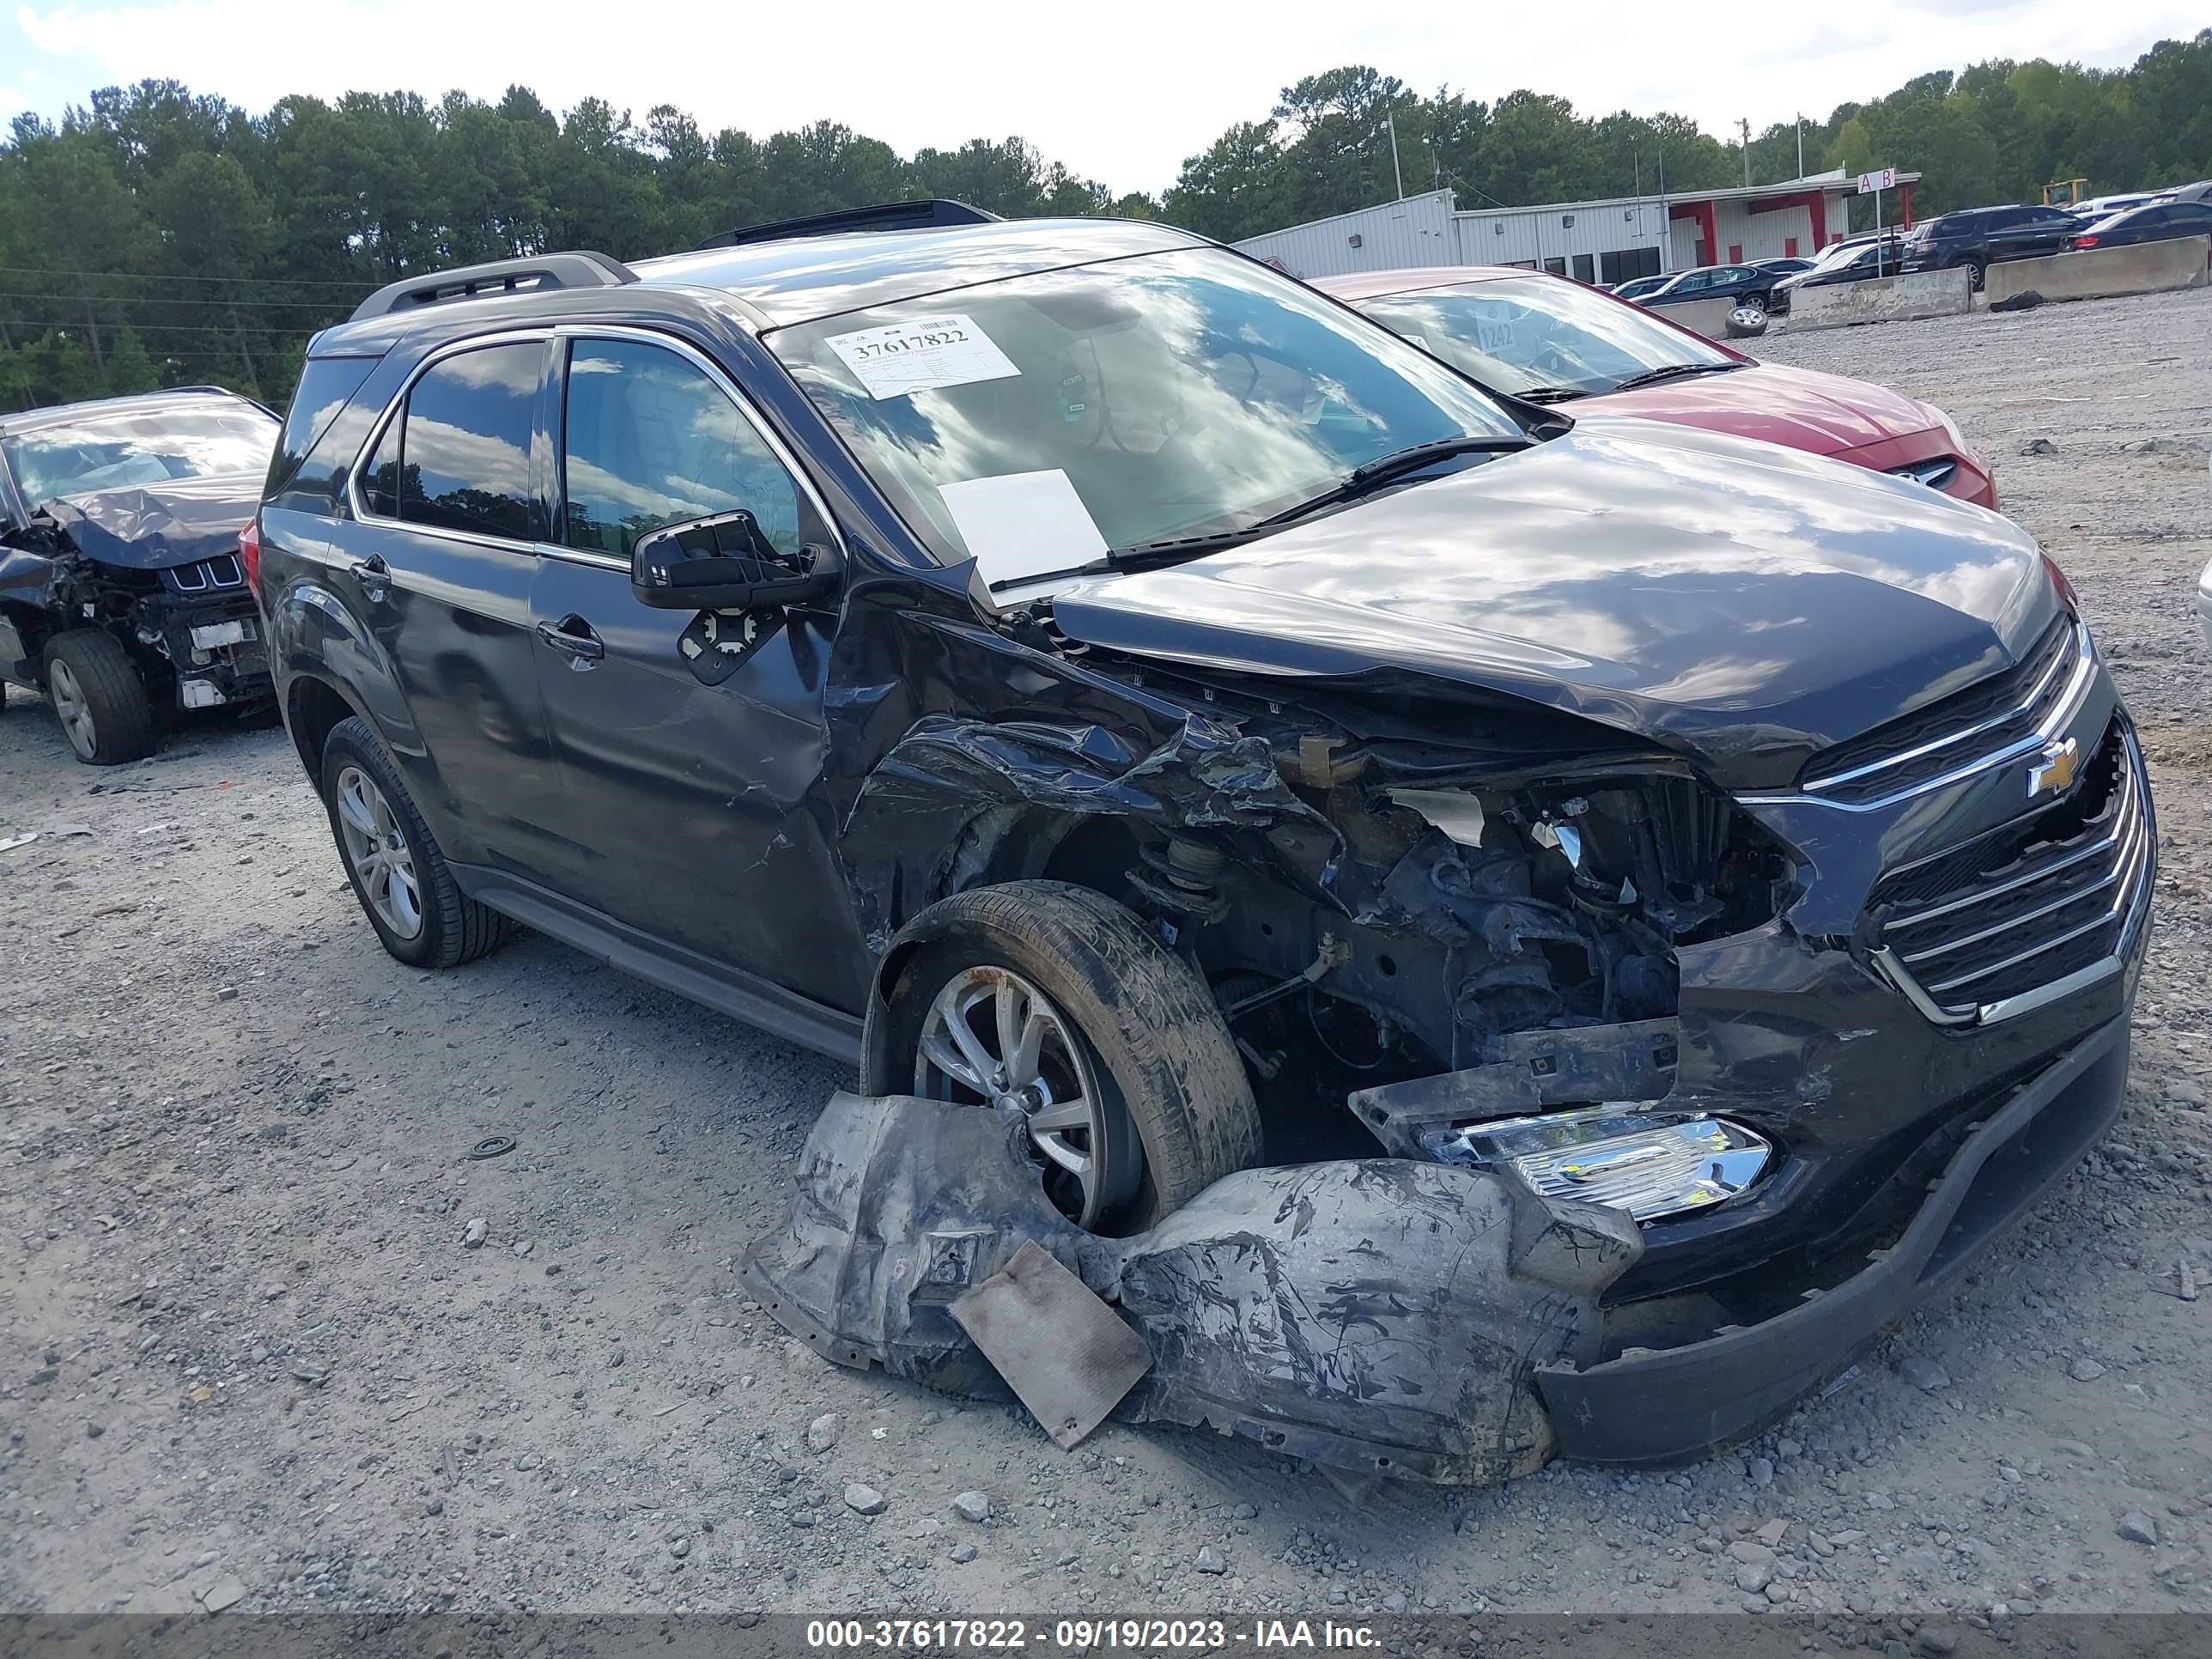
[882, 216]
[540, 271]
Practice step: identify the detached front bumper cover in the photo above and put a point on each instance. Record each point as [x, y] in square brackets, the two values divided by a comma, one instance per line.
[1379, 1317]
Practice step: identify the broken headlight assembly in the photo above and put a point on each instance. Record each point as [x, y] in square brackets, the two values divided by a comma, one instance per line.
[1650, 1164]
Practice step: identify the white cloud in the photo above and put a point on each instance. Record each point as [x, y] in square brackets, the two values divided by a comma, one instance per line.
[1121, 95]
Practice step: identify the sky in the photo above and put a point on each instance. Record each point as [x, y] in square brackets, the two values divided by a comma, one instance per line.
[1120, 93]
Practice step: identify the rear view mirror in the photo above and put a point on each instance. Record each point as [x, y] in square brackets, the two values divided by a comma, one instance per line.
[725, 563]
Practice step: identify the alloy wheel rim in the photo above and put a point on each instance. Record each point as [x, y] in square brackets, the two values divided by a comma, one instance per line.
[74, 710]
[991, 1038]
[376, 848]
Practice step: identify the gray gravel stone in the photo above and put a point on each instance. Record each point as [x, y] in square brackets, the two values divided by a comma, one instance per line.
[822, 1433]
[963, 1553]
[2138, 1528]
[865, 1500]
[2085, 1370]
[473, 1235]
[1209, 1560]
[1923, 1373]
[223, 1593]
[1753, 1576]
[973, 1506]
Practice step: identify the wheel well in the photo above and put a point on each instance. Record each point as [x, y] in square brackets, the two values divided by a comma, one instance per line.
[1016, 844]
[311, 711]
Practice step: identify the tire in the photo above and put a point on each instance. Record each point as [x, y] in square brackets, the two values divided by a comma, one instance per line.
[1977, 272]
[1171, 1088]
[98, 698]
[407, 891]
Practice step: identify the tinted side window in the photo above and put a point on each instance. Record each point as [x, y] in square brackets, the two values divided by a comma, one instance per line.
[464, 455]
[326, 383]
[379, 482]
[649, 440]
[2195, 215]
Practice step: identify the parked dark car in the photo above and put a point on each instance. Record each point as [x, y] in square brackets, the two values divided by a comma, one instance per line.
[2199, 191]
[1858, 260]
[121, 593]
[1978, 238]
[1744, 284]
[2159, 222]
[1788, 266]
[1112, 691]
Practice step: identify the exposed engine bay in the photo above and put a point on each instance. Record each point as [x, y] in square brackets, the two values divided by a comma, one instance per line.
[191, 628]
[1457, 901]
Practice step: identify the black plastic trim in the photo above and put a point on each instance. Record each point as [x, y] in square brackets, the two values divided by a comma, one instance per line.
[1654, 1409]
[723, 988]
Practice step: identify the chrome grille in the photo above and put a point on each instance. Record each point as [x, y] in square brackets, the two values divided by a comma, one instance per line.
[2007, 714]
[2006, 922]
[1936, 474]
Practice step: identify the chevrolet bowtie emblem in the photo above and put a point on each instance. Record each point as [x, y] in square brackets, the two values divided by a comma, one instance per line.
[2054, 774]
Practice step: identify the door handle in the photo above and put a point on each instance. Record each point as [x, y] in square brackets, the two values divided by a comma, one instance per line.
[373, 575]
[573, 637]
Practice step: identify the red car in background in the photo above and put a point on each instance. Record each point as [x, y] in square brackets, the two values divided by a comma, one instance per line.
[1548, 339]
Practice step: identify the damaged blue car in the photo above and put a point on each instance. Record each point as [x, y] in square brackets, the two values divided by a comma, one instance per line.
[123, 596]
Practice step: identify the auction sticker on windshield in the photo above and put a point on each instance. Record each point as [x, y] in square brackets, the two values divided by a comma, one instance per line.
[923, 355]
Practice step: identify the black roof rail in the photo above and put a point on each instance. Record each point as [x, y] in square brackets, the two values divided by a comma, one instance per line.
[538, 271]
[881, 215]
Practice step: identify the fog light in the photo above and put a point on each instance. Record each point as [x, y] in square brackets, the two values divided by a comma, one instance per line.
[1649, 1164]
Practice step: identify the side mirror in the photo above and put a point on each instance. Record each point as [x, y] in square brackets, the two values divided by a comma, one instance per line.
[725, 563]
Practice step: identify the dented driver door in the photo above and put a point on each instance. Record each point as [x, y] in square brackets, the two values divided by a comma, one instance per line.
[700, 734]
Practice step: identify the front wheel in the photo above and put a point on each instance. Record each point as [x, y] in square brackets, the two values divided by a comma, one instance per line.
[98, 698]
[1976, 272]
[1054, 1001]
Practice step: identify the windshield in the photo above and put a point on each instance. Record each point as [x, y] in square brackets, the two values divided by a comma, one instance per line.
[115, 451]
[1523, 334]
[1040, 420]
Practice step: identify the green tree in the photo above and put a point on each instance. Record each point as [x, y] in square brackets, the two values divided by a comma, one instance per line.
[128, 368]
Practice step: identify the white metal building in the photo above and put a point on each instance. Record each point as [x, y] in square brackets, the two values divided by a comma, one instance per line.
[1608, 241]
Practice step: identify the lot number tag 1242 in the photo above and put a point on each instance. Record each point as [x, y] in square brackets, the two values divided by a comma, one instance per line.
[922, 355]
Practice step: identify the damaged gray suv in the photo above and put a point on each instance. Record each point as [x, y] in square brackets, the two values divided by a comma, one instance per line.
[1469, 934]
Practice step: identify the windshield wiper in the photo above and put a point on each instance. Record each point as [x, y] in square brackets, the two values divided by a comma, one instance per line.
[1145, 556]
[1371, 475]
[1551, 394]
[1674, 372]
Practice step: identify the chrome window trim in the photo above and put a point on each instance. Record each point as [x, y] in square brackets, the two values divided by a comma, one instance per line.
[571, 332]
[358, 506]
[2061, 717]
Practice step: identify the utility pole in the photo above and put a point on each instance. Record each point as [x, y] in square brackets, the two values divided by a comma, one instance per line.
[1801, 146]
[1396, 172]
[1746, 126]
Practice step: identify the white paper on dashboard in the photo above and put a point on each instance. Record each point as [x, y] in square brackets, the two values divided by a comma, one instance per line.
[921, 355]
[1025, 529]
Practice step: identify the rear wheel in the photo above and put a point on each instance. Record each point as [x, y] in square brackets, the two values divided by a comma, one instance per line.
[1976, 272]
[405, 888]
[98, 698]
[1054, 1001]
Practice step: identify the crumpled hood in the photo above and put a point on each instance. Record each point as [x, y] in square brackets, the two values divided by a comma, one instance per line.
[1745, 604]
[154, 526]
[1801, 408]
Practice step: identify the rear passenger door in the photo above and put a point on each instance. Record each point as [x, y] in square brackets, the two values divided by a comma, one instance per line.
[438, 561]
[691, 743]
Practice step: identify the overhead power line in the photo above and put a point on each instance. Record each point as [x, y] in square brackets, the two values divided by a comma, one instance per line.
[156, 277]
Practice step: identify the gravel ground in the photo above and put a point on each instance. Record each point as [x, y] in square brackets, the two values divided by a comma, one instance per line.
[250, 1360]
